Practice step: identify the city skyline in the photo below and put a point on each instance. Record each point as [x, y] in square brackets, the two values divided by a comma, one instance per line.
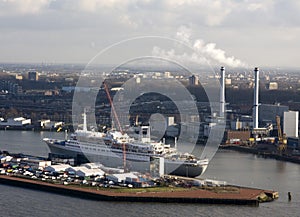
[231, 33]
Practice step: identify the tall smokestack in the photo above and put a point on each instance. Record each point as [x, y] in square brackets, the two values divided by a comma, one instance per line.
[222, 92]
[255, 103]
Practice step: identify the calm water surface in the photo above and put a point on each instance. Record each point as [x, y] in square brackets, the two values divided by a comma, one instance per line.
[233, 167]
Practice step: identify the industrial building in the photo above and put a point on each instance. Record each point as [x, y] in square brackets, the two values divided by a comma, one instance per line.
[237, 137]
[291, 123]
[15, 122]
[268, 113]
[244, 122]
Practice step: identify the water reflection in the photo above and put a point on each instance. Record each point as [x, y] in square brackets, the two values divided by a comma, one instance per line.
[280, 166]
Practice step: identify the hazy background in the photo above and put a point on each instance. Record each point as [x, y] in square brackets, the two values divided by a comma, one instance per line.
[236, 32]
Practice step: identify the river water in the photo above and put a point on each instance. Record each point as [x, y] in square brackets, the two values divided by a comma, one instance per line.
[233, 167]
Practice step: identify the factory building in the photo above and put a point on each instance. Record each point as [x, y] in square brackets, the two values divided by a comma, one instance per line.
[237, 137]
[268, 113]
[291, 123]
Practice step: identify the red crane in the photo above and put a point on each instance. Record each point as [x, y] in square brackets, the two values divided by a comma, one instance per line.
[118, 122]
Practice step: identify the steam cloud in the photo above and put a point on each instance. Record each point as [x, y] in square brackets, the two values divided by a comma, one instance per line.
[204, 52]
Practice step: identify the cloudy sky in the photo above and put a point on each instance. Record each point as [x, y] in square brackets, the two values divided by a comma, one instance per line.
[233, 32]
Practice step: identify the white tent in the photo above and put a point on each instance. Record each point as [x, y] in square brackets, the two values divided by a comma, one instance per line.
[121, 177]
[92, 165]
[57, 168]
[84, 171]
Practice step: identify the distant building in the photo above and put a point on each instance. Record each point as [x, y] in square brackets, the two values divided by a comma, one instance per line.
[228, 81]
[48, 124]
[207, 128]
[16, 122]
[10, 87]
[168, 75]
[291, 123]
[158, 74]
[33, 76]
[170, 121]
[68, 89]
[193, 80]
[172, 131]
[48, 93]
[242, 123]
[69, 79]
[18, 90]
[237, 137]
[272, 86]
[19, 77]
[268, 113]
[236, 125]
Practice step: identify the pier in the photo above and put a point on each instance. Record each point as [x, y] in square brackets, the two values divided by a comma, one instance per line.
[237, 195]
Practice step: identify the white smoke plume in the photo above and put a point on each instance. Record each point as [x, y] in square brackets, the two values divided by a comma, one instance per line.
[204, 52]
[216, 54]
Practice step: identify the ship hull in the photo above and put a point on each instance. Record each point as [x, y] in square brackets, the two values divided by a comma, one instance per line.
[109, 159]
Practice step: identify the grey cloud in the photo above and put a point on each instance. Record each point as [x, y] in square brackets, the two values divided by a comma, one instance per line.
[239, 27]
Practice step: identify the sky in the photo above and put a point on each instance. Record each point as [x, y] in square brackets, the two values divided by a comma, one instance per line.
[236, 33]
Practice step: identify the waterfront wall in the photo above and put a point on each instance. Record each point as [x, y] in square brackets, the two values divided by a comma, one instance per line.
[106, 196]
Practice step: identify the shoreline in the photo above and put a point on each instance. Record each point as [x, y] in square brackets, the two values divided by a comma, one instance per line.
[245, 196]
[261, 153]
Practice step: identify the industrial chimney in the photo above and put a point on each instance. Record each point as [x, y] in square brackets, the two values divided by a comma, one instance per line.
[222, 92]
[255, 103]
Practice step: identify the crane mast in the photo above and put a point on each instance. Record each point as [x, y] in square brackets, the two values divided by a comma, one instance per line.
[118, 121]
[282, 141]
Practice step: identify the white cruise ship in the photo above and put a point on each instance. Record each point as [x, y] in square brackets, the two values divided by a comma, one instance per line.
[113, 147]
